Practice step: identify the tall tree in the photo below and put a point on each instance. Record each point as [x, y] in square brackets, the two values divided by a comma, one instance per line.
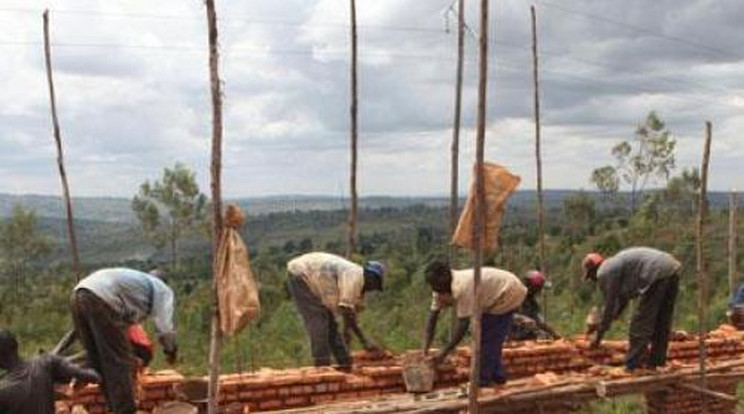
[649, 155]
[351, 248]
[21, 245]
[170, 208]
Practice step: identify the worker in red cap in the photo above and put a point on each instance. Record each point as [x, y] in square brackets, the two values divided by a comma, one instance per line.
[529, 322]
[650, 275]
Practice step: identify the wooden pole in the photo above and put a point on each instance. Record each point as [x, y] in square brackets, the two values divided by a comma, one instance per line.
[733, 276]
[480, 207]
[60, 154]
[538, 159]
[455, 149]
[216, 172]
[701, 269]
[351, 248]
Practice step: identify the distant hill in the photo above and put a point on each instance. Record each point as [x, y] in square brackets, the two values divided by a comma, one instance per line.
[118, 210]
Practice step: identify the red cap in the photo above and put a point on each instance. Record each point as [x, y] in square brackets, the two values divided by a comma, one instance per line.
[536, 278]
[591, 261]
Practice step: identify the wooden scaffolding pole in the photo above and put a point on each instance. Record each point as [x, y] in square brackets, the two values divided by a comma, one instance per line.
[60, 154]
[455, 149]
[732, 258]
[538, 160]
[701, 267]
[351, 247]
[480, 207]
[216, 173]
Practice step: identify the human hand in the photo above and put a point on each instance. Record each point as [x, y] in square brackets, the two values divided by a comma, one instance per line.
[595, 342]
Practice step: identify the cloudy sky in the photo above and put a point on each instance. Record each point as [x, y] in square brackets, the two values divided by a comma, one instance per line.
[132, 84]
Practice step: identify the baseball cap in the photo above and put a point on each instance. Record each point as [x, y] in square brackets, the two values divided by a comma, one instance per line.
[375, 268]
[591, 261]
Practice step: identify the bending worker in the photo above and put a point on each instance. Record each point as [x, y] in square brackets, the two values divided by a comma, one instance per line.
[104, 306]
[638, 272]
[501, 294]
[323, 285]
[529, 322]
[28, 386]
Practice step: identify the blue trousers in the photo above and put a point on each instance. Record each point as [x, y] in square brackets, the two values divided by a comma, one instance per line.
[494, 329]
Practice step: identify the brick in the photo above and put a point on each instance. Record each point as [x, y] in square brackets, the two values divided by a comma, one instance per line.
[297, 401]
[270, 404]
[322, 398]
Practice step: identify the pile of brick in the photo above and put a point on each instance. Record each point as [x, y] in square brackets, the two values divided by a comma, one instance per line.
[268, 390]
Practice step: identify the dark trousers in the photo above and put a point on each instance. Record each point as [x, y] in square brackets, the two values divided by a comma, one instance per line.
[320, 324]
[103, 334]
[652, 324]
[494, 329]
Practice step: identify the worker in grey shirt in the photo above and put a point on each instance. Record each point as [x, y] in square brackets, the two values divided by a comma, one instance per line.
[104, 305]
[650, 275]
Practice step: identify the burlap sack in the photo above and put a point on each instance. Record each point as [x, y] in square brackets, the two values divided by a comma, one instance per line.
[236, 287]
[499, 184]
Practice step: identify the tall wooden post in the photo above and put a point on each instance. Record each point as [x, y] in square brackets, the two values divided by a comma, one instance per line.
[60, 154]
[455, 149]
[733, 276]
[480, 208]
[701, 266]
[216, 172]
[351, 247]
[538, 159]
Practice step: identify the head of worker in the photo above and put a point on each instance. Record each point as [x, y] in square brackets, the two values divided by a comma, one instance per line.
[8, 349]
[590, 265]
[439, 277]
[536, 281]
[374, 274]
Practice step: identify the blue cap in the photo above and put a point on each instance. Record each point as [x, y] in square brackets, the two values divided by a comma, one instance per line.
[376, 268]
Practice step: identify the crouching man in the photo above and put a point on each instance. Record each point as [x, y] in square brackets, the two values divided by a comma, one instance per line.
[28, 386]
[501, 294]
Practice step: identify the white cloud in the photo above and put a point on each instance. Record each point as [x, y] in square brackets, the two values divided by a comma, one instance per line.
[132, 84]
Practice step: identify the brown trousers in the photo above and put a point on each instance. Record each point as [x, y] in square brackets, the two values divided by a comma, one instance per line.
[102, 331]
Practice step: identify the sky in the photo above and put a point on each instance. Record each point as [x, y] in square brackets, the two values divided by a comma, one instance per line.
[132, 87]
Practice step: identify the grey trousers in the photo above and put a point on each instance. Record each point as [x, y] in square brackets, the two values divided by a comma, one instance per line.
[320, 324]
[652, 324]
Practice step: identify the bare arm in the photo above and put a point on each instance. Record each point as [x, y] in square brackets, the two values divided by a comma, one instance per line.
[460, 330]
[431, 328]
[350, 323]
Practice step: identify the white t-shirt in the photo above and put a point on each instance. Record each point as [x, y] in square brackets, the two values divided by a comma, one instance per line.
[335, 280]
[500, 292]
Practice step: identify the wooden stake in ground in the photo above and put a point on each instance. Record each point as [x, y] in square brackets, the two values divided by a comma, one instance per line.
[351, 248]
[454, 176]
[701, 269]
[60, 154]
[733, 276]
[455, 166]
[216, 172]
[480, 207]
[538, 159]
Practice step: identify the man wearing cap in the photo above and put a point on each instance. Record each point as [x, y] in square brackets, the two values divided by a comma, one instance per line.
[501, 294]
[104, 306]
[324, 285]
[28, 386]
[645, 273]
[529, 321]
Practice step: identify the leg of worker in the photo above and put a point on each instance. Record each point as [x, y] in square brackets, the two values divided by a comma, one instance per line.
[338, 347]
[315, 317]
[112, 351]
[660, 341]
[494, 331]
[643, 325]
